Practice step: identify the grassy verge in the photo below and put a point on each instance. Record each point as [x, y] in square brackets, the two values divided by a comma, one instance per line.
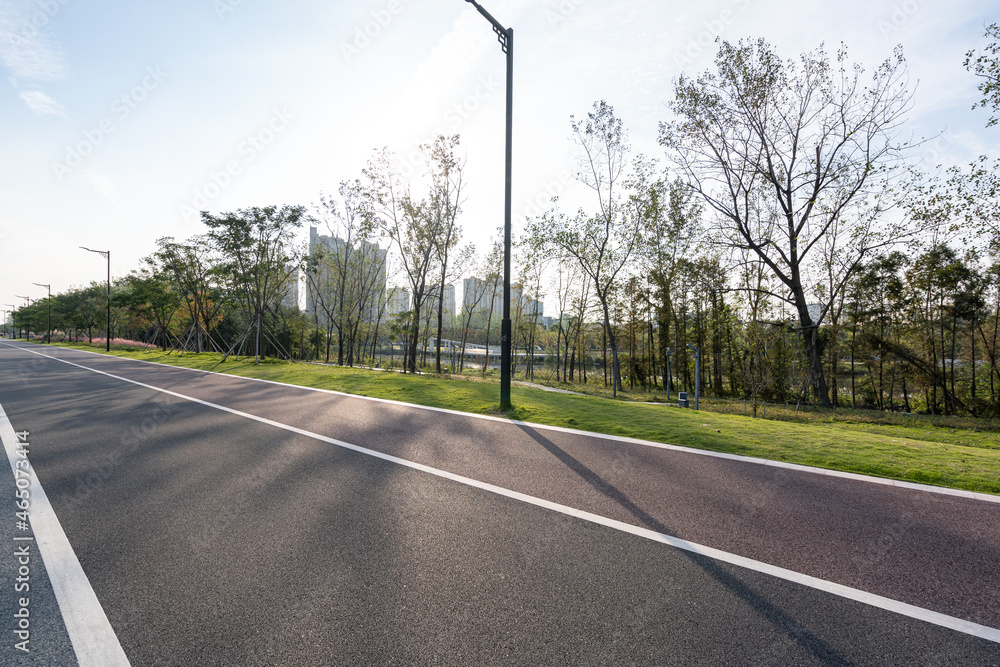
[959, 454]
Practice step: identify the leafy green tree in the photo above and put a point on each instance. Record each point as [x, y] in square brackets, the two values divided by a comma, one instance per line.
[672, 232]
[81, 308]
[151, 296]
[191, 267]
[875, 305]
[258, 255]
[989, 332]
[934, 278]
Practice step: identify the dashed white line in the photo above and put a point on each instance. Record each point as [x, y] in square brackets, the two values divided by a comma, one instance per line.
[888, 604]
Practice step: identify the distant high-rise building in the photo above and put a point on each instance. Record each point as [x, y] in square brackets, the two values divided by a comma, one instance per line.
[533, 308]
[431, 305]
[291, 298]
[476, 296]
[397, 301]
[364, 263]
[449, 303]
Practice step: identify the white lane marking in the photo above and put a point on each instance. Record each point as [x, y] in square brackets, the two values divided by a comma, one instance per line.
[858, 477]
[888, 604]
[94, 640]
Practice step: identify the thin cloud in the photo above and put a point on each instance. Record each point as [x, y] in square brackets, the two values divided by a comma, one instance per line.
[31, 55]
[42, 104]
[27, 51]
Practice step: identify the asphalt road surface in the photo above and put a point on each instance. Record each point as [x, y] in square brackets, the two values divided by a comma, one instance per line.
[212, 520]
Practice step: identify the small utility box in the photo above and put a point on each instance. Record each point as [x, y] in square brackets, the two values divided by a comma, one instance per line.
[682, 399]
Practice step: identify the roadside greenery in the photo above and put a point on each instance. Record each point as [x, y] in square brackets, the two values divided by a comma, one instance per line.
[954, 452]
[782, 253]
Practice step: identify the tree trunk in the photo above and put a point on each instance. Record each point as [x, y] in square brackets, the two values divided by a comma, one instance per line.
[616, 380]
[810, 336]
[411, 357]
[437, 356]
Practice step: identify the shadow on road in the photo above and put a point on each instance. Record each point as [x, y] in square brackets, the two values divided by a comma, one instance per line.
[773, 614]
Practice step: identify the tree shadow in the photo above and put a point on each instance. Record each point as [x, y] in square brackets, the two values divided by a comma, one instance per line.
[769, 611]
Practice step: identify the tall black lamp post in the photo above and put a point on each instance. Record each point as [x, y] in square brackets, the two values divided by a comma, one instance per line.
[106, 254]
[506, 38]
[48, 315]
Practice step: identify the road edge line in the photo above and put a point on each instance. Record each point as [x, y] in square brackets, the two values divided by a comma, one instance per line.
[94, 640]
[799, 467]
[888, 604]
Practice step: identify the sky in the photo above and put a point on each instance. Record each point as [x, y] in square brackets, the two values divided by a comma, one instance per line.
[119, 122]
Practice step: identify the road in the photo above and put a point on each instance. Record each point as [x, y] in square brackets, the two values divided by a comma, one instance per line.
[220, 520]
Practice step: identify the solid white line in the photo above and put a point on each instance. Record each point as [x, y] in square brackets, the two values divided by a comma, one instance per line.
[888, 604]
[857, 477]
[94, 640]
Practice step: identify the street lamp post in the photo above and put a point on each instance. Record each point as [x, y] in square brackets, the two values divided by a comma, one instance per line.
[506, 38]
[697, 373]
[48, 315]
[106, 254]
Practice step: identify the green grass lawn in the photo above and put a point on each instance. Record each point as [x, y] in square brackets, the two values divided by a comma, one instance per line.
[957, 453]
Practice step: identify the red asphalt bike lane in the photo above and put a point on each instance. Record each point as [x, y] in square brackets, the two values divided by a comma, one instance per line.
[932, 550]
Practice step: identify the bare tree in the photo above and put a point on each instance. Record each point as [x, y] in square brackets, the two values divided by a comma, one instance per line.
[789, 153]
[564, 285]
[986, 65]
[413, 227]
[444, 206]
[602, 243]
[346, 272]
